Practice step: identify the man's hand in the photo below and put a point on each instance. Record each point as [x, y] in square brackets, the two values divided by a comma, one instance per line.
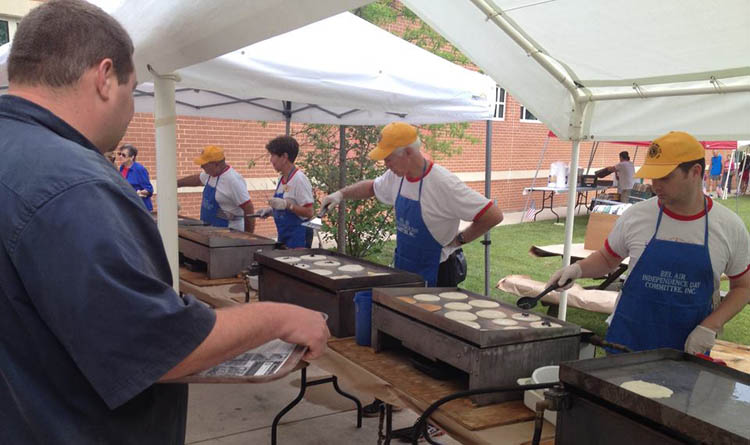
[331, 200]
[307, 328]
[279, 203]
[143, 193]
[265, 212]
[572, 273]
[700, 340]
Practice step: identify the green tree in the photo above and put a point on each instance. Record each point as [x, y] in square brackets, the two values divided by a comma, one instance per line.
[369, 224]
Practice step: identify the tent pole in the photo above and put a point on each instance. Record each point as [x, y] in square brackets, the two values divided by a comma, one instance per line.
[487, 193]
[287, 117]
[569, 221]
[165, 123]
[341, 239]
[536, 173]
[594, 146]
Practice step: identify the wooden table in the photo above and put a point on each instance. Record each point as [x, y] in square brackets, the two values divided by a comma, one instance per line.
[390, 377]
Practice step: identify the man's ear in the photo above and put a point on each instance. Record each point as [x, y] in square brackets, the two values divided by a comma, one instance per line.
[106, 78]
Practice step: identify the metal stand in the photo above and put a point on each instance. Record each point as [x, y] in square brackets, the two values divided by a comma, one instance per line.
[302, 388]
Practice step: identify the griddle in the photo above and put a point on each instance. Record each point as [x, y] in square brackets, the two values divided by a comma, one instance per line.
[288, 283]
[710, 404]
[226, 252]
[491, 355]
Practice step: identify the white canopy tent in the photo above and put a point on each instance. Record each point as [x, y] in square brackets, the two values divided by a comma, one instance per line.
[371, 77]
[313, 75]
[610, 70]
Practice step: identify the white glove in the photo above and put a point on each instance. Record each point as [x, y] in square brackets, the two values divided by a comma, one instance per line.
[700, 340]
[331, 200]
[265, 212]
[572, 273]
[279, 203]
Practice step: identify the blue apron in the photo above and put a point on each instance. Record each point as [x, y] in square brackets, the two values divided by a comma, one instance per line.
[416, 249]
[666, 296]
[210, 208]
[288, 225]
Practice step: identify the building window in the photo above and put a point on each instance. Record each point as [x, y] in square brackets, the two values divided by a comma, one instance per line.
[499, 109]
[526, 115]
[4, 32]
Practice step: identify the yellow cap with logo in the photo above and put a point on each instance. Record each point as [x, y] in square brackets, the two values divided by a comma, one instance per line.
[211, 153]
[667, 152]
[393, 136]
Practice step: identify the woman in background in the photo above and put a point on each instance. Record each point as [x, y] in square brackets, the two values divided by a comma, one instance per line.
[136, 174]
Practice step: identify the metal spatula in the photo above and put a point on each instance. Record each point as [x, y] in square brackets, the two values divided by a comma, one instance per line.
[526, 303]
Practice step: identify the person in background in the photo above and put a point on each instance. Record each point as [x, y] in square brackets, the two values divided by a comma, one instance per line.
[111, 156]
[714, 174]
[679, 244]
[91, 325]
[226, 201]
[430, 202]
[624, 170]
[292, 202]
[136, 174]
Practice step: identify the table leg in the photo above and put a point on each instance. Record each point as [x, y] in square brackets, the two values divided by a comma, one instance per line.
[552, 205]
[302, 388]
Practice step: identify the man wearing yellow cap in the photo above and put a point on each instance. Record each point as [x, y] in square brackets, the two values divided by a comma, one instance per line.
[430, 203]
[679, 244]
[226, 201]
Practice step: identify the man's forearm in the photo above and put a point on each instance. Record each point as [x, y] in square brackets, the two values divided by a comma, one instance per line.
[360, 190]
[492, 217]
[190, 181]
[733, 303]
[598, 264]
[249, 209]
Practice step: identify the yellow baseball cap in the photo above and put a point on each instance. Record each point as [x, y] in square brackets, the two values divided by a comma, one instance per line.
[667, 152]
[393, 136]
[211, 153]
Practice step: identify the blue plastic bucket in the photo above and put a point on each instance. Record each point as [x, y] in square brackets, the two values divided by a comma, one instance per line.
[363, 317]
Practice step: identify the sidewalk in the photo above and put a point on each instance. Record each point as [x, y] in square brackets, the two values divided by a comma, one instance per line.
[223, 414]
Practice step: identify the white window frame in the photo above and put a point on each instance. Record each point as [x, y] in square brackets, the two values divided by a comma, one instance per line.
[501, 100]
[525, 119]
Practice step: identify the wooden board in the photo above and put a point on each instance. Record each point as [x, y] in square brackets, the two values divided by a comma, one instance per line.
[394, 368]
[200, 278]
[218, 296]
[736, 356]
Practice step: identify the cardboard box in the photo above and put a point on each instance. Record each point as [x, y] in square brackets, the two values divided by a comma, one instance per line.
[597, 230]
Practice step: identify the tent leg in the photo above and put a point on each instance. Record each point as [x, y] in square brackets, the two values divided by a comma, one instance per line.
[287, 117]
[487, 193]
[533, 181]
[341, 239]
[165, 121]
[569, 221]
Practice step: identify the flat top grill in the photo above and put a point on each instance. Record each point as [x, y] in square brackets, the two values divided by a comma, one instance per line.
[709, 401]
[489, 333]
[222, 236]
[310, 266]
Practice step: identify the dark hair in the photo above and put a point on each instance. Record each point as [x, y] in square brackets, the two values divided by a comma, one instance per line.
[132, 151]
[284, 144]
[686, 166]
[60, 39]
[625, 155]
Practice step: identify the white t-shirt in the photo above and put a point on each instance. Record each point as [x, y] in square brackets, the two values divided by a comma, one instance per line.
[625, 171]
[728, 239]
[231, 193]
[298, 188]
[446, 201]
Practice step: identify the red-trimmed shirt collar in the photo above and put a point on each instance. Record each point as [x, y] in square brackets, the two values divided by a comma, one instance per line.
[426, 172]
[294, 171]
[224, 171]
[677, 216]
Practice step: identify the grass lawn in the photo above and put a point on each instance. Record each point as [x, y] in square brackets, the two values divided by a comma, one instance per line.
[509, 254]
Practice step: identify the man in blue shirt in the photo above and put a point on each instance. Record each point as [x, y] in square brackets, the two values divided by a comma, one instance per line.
[90, 323]
[715, 173]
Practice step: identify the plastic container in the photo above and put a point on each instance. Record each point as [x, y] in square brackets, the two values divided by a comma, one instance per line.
[363, 317]
[546, 374]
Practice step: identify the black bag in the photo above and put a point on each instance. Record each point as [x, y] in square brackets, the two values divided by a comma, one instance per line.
[453, 270]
